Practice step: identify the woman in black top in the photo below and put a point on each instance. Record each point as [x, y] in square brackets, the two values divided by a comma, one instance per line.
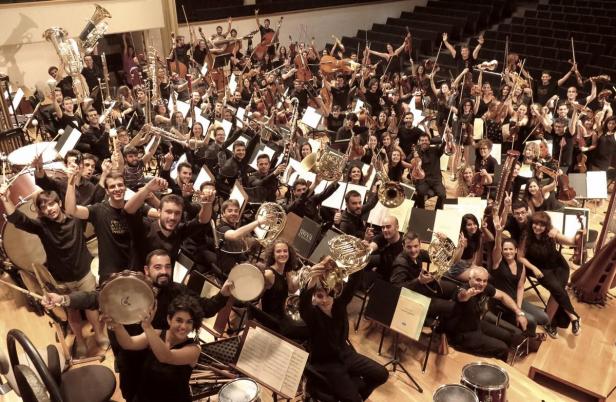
[509, 276]
[352, 376]
[355, 175]
[280, 281]
[469, 248]
[538, 253]
[396, 165]
[171, 353]
[541, 198]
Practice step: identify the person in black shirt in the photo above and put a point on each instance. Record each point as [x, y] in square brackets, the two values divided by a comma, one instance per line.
[432, 184]
[305, 202]
[407, 134]
[469, 332]
[464, 59]
[351, 220]
[517, 222]
[65, 114]
[180, 50]
[264, 30]
[385, 248]
[95, 137]
[340, 92]
[410, 270]
[93, 75]
[485, 164]
[263, 184]
[65, 84]
[68, 258]
[351, 376]
[336, 119]
[545, 88]
[346, 131]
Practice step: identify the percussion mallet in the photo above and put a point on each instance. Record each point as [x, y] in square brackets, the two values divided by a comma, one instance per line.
[22, 290]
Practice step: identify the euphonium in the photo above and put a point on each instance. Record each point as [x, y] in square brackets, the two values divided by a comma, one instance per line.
[94, 29]
[276, 218]
[70, 56]
[441, 251]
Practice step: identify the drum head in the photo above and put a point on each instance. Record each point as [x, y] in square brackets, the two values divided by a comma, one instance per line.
[23, 156]
[485, 376]
[454, 393]
[23, 248]
[240, 390]
[126, 298]
[248, 282]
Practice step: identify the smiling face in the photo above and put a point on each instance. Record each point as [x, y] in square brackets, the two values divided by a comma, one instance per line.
[354, 205]
[281, 253]
[321, 299]
[170, 215]
[509, 251]
[181, 324]
[471, 227]
[533, 188]
[115, 188]
[479, 279]
[231, 214]
[355, 174]
[159, 270]
[468, 174]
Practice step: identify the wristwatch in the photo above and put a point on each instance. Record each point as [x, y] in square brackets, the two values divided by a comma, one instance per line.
[521, 314]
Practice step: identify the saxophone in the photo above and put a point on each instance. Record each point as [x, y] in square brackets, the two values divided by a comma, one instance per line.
[289, 139]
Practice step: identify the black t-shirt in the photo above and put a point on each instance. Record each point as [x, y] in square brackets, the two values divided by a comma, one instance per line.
[461, 64]
[504, 280]
[114, 238]
[372, 98]
[387, 253]
[543, 93]
[340, 96]
[514, 229]
[467, 315]
[333, 123]
[489, 164]
[408, 137]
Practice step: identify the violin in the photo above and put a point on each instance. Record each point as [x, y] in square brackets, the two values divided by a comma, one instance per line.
[417, 173]
[578, 257]
[303, 73]
[477, 185]
[266, 41]
[331, 65]
[450, 146]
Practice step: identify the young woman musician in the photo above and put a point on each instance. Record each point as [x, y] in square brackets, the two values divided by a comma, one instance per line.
[465, 181]
[541, 198]
[539, 254]
[469, 248]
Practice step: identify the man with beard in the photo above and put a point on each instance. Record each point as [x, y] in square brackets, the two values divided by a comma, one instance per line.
[158, 269]
[236, 167]
[407, 134]
[86, 191]
[68, 258]
[167, 232]
[263, 183]
[351, 221]
[95, 137]
[432, 184]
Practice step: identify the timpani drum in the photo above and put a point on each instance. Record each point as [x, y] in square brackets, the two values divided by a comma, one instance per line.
[127, 297]
[488, 381]
[454, 393]
[248, 282]
[240, 390]
[24, 156]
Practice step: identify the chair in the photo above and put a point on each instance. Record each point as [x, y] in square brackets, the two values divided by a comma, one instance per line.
[93, 383]
[534, 283]
[11, 140]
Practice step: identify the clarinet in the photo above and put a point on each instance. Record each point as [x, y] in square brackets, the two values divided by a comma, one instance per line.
[286, 156]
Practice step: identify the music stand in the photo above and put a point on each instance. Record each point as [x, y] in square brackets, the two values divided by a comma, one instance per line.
[381, 308]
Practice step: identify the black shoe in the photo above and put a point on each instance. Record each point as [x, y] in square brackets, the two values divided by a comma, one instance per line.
[576, 326]
[551, 330]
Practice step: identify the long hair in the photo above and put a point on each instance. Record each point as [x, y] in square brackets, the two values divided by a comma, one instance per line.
[527, 194]
[270, 258]
[474, 238]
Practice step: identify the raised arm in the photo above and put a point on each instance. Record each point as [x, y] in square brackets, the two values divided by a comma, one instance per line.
[565, 77]
[137, 200]
[70, 203]
[448, 45]
[593, 91]
[497, 250]
[237, 234]
[480, 41]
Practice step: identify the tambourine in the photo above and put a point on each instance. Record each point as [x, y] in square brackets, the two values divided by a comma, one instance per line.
[248, 282]
[127, 297]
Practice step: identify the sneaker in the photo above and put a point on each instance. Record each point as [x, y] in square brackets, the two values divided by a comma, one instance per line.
[576, 326]
[551, 330]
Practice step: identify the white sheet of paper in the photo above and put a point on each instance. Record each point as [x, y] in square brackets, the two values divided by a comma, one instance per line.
[204, 122]
[232, 83]
[179, 272]
[496, 152]
[334, 200]
[558, 219]
[204, 69]
[410, 313]
[170, 102]
[401, 212]
[70, 142]
[150, 144]
[358, 105]
[236, 194]
[447, 221]
[183, 107]
[596, 182]
[17, 98]
[174, 172]
[202, 177]
[478, 129]
[226, 125]
[572, 225]
[128, 194]
[240, 113]
[311, 117]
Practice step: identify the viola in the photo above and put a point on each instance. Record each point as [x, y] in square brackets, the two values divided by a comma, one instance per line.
[477, 186]
[578, 257]
[417, 173]
[177, 66]
[266, 41]
[565, 192]
[580, 166]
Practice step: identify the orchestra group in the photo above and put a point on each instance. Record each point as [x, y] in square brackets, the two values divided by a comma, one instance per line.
[132, 174]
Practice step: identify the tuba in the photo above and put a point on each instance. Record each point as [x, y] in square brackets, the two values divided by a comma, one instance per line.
[70, 56]
[276, 220]
[94, 29]
[441, 252]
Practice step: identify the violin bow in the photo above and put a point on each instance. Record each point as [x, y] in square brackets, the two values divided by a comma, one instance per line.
[436, 60]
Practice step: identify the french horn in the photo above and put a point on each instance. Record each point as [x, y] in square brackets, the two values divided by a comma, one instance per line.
[276, 218]
[441, 251]
[330, 164]
[390, 193]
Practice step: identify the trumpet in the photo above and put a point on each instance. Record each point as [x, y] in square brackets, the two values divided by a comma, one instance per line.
[149, 129]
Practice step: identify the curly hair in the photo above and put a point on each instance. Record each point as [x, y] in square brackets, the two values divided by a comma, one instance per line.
[270, 259]
[188, 304]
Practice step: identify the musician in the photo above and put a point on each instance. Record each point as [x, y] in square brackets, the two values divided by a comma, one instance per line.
[465, 181]
[603, 157]
[346, 131]
[93, 75]
[355, 174]
[264, 183]
[385, 247]
[541, 198]
[335, 119]
[305, 202]
[433, 183]
[237, 166]
[564, 130]
[65, 115]
[233, 246]
[466, 329]
[68, 258]
[170, 354]
[407, 134]
[87, 192]
[264, 30]
[182, 185]
[544, 89]
[352, 221]
[464, 59]
[350, 375]
[517, 221]
[469, 250]
[539, 254]
[219, 35]
[410, 270]
[180, 50]
[65, 84]
[167, 232]
[485, 164]
[159, 270]
[94, 137]
[509, 275]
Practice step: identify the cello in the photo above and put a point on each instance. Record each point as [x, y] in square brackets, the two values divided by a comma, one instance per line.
[176, 66]
[267, 40]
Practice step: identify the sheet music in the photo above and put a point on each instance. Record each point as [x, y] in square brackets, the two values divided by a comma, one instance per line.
[596, 183]
[272, 361]
[232, 83]
[183, 107]
[337, 199]
[401, 212]
[203, 176]
[240, 113]
[410, 313]
[17, 99]
[226, 125]
[448, 221]
[358, 105]
[173, 173]
[311, 117]
[236, 194]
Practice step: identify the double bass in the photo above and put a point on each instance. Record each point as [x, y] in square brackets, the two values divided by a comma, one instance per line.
[176, 66]
[267, 40]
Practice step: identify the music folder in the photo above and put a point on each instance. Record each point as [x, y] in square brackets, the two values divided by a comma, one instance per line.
[399, 309]
[270, 359]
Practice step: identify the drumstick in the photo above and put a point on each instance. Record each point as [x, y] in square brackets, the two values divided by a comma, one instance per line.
[22, 290]
[217, 371]
[38, 277]
[215, 381]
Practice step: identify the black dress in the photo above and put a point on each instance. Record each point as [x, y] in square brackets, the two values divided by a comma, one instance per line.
[161, 382]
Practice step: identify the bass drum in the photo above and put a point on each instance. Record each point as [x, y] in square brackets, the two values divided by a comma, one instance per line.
[33, 286]
[23, 248]
[488, 381]
[22, 188]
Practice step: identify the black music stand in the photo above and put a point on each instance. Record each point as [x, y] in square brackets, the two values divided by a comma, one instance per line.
[381, 307]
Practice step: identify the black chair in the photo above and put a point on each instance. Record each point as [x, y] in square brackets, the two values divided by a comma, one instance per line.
[533, 284]
[93, 383]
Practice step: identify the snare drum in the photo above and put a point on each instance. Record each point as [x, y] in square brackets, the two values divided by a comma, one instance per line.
[127, 297]
[240, 390]
[488, 381]
[248, 282]
[454, 392]
[21, 247]
[24, 156]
